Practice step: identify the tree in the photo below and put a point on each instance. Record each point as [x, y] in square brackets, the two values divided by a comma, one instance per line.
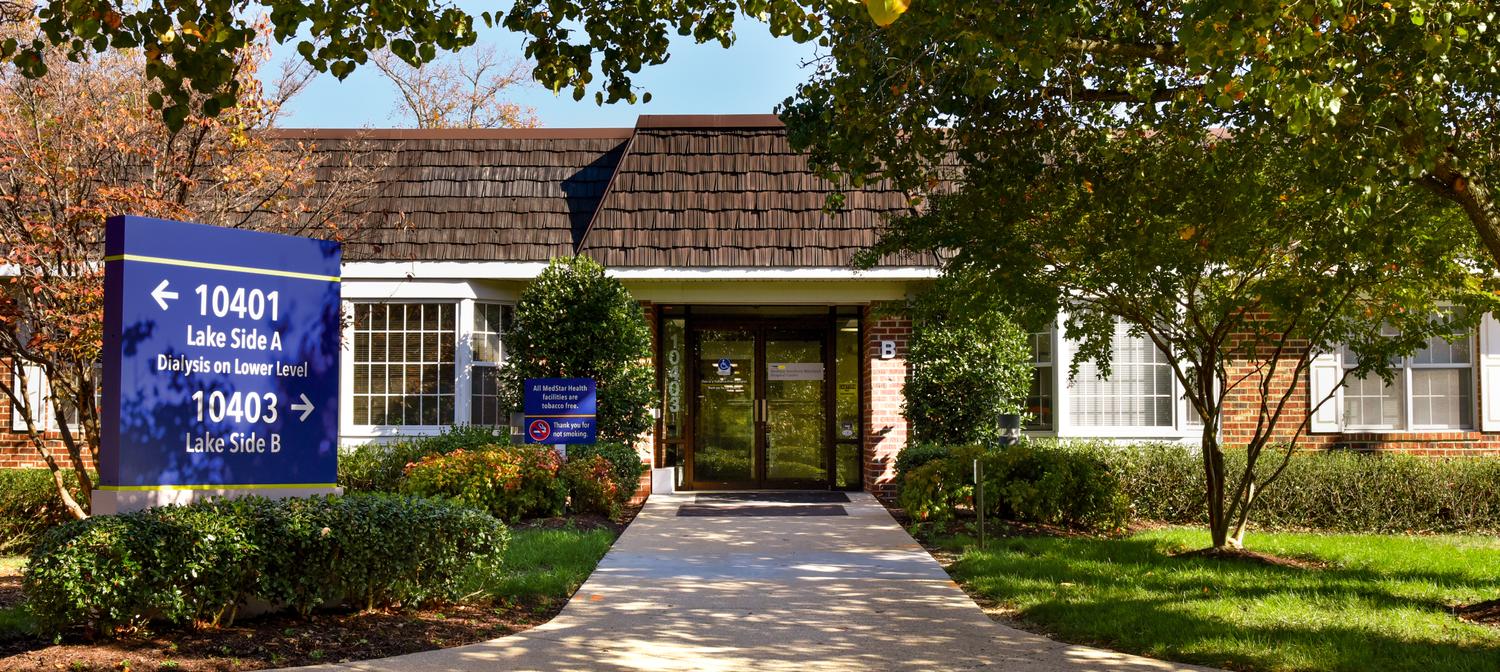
[1404, 88]
[80, 144]
[968, 365]
[1229, 255]
[459, 91]
[573, 321]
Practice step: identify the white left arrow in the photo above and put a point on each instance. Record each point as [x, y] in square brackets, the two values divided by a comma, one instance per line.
[306, 407]
[161, 295]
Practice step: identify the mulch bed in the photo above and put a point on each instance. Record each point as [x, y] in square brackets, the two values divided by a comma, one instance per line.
[287, 640]
[1482, 612]
[282, 641]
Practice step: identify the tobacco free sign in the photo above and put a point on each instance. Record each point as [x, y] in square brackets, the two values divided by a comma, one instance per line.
[560, 410]
[221, 358]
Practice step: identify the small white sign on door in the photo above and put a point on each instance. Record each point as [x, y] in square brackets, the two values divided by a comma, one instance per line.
[794, 371]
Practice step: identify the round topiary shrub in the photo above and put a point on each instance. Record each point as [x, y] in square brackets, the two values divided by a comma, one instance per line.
[573, 321]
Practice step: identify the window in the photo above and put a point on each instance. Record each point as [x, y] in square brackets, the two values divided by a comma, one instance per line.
[1433, 389]
[404, 363]
[1138, 393]
[491, 320]
[1039, 399]
[36, 393]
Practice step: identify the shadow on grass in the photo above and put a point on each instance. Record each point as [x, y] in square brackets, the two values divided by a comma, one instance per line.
[1129, 594]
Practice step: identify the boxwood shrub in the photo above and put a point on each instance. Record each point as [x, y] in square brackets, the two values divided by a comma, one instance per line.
[198, 563]
[510, 482]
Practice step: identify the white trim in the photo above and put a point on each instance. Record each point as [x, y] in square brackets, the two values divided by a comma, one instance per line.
[1063, 352]
[527, 270]
[463, 359]
[447, 290]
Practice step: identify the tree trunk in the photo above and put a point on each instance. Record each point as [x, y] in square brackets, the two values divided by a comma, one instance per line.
[1477, 201]
[1213, 467]
[1237, 540]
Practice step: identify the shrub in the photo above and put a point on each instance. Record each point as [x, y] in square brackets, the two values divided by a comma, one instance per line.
[198, 563]
[935, 489]
[1044, 484]
[573, 320]
[592, 486]
[1024, 483]
[510, 482]
[1335, 491]
[968, 365]
[624, 462]
[29, 506]
[379, 467]
[917, 454]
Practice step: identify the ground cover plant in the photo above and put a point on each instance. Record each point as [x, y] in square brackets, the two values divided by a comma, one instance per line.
[1346, 603]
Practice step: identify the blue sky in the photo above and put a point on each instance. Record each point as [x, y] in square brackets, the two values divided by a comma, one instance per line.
[752, 76]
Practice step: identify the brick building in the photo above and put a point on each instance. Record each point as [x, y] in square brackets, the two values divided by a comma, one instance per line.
[778, 364]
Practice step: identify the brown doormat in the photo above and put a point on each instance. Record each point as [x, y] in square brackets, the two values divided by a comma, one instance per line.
[700, 511]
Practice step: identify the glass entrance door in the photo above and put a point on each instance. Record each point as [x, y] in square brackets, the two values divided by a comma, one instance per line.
[796, 420]
[760, 408]
[727, 431]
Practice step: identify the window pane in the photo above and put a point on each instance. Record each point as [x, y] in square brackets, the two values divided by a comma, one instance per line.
[1372, 404]
[487, 339]
[1138, 392]
[403, 362]
[847, 364]
[1039, 399]
[1442, 398]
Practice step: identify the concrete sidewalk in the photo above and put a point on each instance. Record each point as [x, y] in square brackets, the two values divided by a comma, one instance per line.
[795, 593]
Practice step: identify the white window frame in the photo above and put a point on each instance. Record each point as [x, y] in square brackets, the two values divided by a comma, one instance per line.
[1404, 397]
[39, 391]
[1063, 352]
[474, 363]
[464, 294]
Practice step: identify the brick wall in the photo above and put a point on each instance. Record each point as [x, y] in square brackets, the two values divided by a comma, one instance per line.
[1242, 410]
[16, 449]
[885, 427]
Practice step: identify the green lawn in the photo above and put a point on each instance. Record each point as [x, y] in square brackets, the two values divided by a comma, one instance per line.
[1380, 604]
[14, 621]
[11, 564]
[545, 565]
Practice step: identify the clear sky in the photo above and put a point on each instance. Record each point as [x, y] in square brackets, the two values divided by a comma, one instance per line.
[754, 75]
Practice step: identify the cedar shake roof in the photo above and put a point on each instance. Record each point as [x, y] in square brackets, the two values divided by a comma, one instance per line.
[472, 195]
[695, 191]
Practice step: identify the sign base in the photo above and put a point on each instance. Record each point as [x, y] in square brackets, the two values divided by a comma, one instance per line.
[110, 502]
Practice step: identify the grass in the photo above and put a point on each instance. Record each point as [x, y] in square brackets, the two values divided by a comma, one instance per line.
[11, 564]
[1378, 603]
[544, 565]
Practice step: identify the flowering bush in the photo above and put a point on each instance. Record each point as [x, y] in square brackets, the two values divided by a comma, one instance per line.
[511, 482]
[591, 481]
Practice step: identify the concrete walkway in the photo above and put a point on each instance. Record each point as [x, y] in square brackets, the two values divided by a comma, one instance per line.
[794, 593]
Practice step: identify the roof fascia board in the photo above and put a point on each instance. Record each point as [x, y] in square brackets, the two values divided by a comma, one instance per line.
[526, 270]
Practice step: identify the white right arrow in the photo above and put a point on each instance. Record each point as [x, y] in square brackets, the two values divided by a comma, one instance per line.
[306, 407]
[161, 295]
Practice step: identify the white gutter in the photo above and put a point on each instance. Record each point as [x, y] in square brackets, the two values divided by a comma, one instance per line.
[516, 270]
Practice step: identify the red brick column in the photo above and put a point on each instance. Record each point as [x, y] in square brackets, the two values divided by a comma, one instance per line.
[884, 380]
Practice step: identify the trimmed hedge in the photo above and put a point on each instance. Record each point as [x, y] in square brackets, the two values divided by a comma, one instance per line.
[198, 563]
[379, 467]
[1068, 483]
[1027, 482]
[29, 506]
[511, 482]
[1335, 491]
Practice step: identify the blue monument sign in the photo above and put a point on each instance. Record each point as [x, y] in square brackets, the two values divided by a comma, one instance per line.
[560, 410]
[221, 363]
